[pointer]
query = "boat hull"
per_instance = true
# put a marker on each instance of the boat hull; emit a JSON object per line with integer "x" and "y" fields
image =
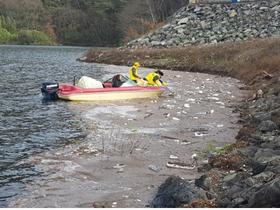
{"x": 73, "y": 93}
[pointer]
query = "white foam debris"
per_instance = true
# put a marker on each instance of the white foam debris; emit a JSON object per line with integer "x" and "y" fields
{"x": 110, "y": 110}
{"x": 114, "y": 204}
{"x": 220, "y": 126}
{"x": 201, "y": 113}
{"x": 214, "y": 98}
{"x": 175, "y": 118}
{"x": 187, "y": 105}
{"x": 190, "y": 100}
{"x": 194, "y": 156}
{"x": 173, "y": 157}
{"x": 212, "y": 111}
{"x": 221, "y": 103}
{"x": 198, "y": 134}
{"x": 185, "y": 142}
{"x": 119, "y": 166}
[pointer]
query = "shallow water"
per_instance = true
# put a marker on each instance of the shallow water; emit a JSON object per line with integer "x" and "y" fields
{"x": 27, "y": 125}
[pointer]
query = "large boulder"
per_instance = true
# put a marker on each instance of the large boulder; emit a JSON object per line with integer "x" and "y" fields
{"x": 175, "y": 192}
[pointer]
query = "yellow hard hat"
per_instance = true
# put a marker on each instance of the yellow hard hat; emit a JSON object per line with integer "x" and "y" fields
{"x": 136, "y": 64}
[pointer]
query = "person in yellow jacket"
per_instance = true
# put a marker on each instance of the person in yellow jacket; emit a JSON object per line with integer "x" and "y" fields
{"x": 133, "y": 74}
{"x": 154, "y": 78}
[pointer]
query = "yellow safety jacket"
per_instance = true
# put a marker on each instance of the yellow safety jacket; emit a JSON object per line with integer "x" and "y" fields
{"x": 133, "y": 73}
{"x": 153, "y": 79}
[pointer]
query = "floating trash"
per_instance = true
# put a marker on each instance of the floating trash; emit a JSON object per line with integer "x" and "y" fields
{"x": 173, "y": 157}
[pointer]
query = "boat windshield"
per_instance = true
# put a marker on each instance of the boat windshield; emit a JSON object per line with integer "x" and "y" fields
{"x": 129, "y": 83}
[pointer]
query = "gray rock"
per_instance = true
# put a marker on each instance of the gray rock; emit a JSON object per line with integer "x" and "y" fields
{"x": 213, "y": 23}
{"x": 265, "y": 176}
{"x": 267, "y": 155}
{"x": 267, "y": 126}
{"x": 276, "y": 117}
{"x": 203, "y": 182}
{"x": 183, "y": 21}
{"x": 262, "y": 116}
{"x": 267, "y": 196}
{"x": 174, "y": 192}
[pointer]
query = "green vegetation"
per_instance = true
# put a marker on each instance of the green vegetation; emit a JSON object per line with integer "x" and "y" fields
{"x": 81, "y": 22}
{"x": 9, "y": 34}
{"x": 33, "y": 37}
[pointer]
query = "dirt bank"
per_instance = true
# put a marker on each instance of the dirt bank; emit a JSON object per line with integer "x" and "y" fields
{"x": 247, "y": 175}
{"x": 243, "y": 61}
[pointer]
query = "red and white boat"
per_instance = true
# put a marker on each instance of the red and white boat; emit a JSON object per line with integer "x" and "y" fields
{"x": 72, "y": 92}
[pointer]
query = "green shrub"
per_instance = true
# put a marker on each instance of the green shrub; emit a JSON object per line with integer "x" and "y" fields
{"x": 5, "y": 36}
{"x": 33, "y": 37}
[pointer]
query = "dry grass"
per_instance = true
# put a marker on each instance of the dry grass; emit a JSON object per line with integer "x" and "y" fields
{"x": 240, "y": 60}
{"x": 227, "y": 161}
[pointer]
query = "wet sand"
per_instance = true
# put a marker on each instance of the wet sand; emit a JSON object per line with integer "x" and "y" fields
{"x": 124, "y": 156}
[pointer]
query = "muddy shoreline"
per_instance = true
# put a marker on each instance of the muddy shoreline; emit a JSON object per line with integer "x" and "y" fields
{"x": 129, "y": 144}
{"x": 247, "y": 174}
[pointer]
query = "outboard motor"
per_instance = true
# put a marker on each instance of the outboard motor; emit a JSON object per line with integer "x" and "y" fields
{"x": 49, "y": 90}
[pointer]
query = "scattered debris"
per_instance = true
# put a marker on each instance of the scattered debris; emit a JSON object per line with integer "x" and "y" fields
{"x": 154, "y": 168}
{"x": 187, "y": 106}
{"x": 185, "y": 142}
{"x": 119, "y": 166}
{"x": 199, "y": 134}
{"x": 173, "y": 157}
{"x": 267, "y": 75}
{"x": 179, "y": 165}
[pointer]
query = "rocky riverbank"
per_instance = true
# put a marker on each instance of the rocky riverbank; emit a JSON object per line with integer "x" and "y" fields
{"x": 247, "y": 174}
{"x": 216, "y": 23}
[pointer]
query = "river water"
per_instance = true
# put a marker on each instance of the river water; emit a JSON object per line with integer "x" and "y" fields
{"x": 27, "y": 125}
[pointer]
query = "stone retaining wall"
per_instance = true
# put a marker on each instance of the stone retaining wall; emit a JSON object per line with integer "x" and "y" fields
{"x": 215, "y": 23}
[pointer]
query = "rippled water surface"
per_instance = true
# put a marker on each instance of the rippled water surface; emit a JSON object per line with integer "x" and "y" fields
{"x": 27, "y": 125}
